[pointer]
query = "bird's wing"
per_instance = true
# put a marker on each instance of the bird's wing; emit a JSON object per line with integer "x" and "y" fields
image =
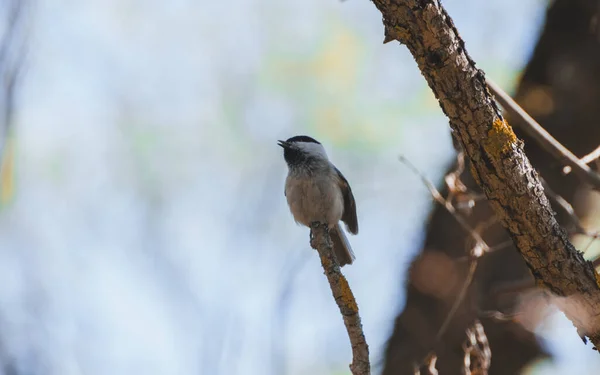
{"x": 349, "y": 215}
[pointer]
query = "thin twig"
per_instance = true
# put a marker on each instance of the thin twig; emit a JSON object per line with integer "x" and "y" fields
{"x": 568, "y": 209}
{"x": 499, "y": 316}
{"x": 591, "y": 156}
{"x": 459, "y": 298}
{"x": 562, "y": 203}
{"x": 478, "y": 355}
{"x": 542, "y": 137}
{"x": 344, "y": 298}
{"x": 587, "y": 159}
{"x": 513, "y": 288}
{"x": 429, "y": 365}
{"x": 593, "y": 238}
{"x": 501, "y": 246}
{"x": 437, "y": 196}
{"x": 458, "y": 194}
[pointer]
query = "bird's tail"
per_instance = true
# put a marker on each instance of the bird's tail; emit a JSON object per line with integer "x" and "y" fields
{"x": 341, "y": 246}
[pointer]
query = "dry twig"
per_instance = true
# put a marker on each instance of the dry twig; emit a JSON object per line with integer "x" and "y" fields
{"x": 569, "y": 211}
{"x": 478, "y": 355}
{"x": 592, "y": 156}
{"x": 499, "y": 316}
{"x": 587, "y": 159}
{"x": 344, "y": 298}
{"x": 430, "y": 365}
{"x": 437, "y": 196}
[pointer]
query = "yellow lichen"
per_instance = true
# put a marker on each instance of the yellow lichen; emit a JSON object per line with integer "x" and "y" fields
{"x": 500, "y": 138}
{"x": 597, "y": 278}
{"x": 347, "y": 296}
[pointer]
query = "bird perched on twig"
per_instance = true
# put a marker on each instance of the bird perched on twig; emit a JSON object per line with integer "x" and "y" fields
{"x": 316, "y": 191}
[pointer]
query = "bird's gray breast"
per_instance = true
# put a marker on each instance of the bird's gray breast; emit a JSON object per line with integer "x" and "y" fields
{"x": 314, "y": 197}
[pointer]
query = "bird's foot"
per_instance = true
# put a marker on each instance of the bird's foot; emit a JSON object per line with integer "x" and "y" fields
{"x": 313, "y": 225}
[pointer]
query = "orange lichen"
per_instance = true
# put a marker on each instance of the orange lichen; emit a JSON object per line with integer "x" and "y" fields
{"x": 500, "y": 138}
{"x": 347, "y": 296}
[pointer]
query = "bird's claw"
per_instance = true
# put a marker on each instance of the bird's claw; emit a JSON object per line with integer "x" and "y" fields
{"x": 313, "y": 225}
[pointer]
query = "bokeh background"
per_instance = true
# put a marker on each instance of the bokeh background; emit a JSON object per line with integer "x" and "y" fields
{"x": 143, "y": 227}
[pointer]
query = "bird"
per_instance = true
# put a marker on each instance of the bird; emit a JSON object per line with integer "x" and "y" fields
{"x": 316, "y": 191}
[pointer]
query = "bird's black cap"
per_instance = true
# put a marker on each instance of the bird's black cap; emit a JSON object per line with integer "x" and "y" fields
{"x": 303, "y": 138}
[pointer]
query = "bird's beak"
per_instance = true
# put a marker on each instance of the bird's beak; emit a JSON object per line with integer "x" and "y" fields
{"x": 283, "y": 144}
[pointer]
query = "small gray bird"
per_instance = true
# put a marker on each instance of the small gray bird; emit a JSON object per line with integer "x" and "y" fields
{"x": 317, "y": 191}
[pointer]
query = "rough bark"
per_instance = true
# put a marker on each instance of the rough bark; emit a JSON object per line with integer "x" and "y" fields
{"x": 321, "y": 241}
{"x": 508, "y": 180}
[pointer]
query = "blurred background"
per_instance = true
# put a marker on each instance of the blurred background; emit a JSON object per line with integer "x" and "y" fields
{"x": 143, "y": 227}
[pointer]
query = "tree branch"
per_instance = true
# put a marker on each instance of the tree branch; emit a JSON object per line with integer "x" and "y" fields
{"x": 592, "y": 156}
{"x": 498, "y": 162}
{"x": 344, "y": 298}
{"x": 587, "y": 159}
{"x": 478, "y": 355}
